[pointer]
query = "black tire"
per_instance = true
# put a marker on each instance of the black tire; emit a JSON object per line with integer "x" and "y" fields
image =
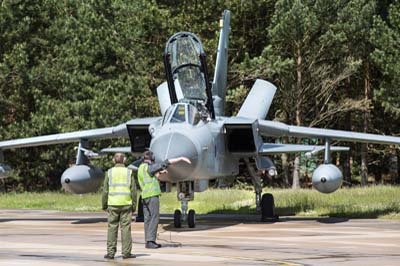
{"x": 177, "y": 219}
{"x": 267, "y": 207}
{"x": 192, "y": 219}
{"x": 140, "y": 216}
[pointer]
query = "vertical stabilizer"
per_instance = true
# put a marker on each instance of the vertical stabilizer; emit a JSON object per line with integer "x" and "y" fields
{"x": 221, "y": 65}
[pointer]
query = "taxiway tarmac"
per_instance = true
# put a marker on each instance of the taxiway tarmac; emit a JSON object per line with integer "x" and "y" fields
{"x": 41, "y": 237}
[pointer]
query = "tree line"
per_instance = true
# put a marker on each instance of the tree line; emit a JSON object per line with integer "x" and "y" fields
{"x": 74, "y": 65}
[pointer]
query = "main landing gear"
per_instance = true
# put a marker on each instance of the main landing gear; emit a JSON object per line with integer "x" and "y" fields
{"x": 185, "y": 193}
{"x": 265, "y": 204}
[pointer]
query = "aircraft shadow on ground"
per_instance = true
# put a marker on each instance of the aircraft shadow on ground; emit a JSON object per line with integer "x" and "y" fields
{"x": 229, "y": 217}
{"x": 248, "y": 215}
{"x": 222, "y": 220}
{"x": 368, "y": 214}
{"x": 245, "y": 215}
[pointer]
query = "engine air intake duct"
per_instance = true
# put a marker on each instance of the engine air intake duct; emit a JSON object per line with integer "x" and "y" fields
{"x": 240, "y": 138}
{"x": 139, "y": 136}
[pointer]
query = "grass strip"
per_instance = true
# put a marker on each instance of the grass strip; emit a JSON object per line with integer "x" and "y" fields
{"x": 368, "y": 202}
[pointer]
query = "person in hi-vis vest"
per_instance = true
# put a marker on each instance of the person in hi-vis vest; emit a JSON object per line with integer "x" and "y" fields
{"x": 147, "y": 173}
{"x": 119, "y": 200}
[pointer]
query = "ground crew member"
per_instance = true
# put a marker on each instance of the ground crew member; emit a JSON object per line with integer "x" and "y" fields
{"x": 119, "y": 199}
{"x": 147, "y": 176}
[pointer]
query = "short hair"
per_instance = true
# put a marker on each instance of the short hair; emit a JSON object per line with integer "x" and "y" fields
{"x": 148, "y": 155}
{"x": 119, "y": 158}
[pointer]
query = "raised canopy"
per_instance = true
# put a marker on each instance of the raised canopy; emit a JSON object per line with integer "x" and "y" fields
{"x": 186, "y": 70}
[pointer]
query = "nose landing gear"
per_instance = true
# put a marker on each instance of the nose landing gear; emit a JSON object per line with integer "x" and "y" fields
{"x": 185, "y": 192}
{"x": 177, "y": 219}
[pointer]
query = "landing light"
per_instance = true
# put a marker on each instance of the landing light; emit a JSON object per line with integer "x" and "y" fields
{"x": 181, "y": 196}
{"x": 272, "y": 172}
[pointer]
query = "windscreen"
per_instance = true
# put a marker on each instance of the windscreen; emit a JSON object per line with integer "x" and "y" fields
{"x": 180, "y": 113}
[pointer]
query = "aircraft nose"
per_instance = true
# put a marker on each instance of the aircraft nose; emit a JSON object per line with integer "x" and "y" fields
{"x": 175, "y": 145}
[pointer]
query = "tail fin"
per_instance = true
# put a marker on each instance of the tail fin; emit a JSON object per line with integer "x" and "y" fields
{"x": 221, "y": 65}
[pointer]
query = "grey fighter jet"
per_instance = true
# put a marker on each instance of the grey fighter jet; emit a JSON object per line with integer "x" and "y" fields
{"x": 193, "y": 124}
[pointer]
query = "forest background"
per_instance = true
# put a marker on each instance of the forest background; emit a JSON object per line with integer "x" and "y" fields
{"x": 74, "y": 65}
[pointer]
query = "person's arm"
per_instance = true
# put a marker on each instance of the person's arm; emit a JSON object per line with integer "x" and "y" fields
{"x": 179, "y": 159}
{"x": 105, "y": 193}
{"x": 159, "y": 167}
{"x": 135, "y": 165}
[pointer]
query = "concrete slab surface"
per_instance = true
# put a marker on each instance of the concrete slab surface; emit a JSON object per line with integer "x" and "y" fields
{"x": 42, "y": 237}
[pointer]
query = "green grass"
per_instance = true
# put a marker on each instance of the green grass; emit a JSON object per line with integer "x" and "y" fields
{"x": 369, "y": 202}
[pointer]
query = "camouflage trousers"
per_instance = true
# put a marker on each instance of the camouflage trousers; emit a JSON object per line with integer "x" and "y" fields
{"x": 119, "y": 215}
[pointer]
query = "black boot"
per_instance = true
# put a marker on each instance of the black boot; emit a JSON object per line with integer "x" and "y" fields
{"x": 129, "y": 256}
{"x": 109, "y": 257}
{"x": 152, "y": 245}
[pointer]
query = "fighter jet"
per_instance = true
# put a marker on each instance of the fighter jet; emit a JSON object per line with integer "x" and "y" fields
{"x": 193, "y": 124}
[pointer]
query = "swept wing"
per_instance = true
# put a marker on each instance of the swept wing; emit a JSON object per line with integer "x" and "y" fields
{"x": 100, "y": 133}
{"x": 277, "y": 129}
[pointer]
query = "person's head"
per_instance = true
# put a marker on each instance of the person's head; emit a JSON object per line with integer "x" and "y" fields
{"x": 148, "y": 156}
{"x": 119, "y": 158}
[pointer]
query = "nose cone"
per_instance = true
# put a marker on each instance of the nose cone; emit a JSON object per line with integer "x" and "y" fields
{"x": 175, "y": 145}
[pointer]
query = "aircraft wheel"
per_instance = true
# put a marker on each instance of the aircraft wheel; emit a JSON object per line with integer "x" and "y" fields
{"x": 267, "y": 207}
{"x": 177, "y": 219}
{"x": 192, "y": 219}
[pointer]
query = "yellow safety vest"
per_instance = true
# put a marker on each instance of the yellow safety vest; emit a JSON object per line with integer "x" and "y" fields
{"x": 148, "y": 184}
{"x": 119, "y": 186}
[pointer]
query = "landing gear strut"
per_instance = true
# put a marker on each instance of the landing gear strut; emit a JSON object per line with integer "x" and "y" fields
{"x": 264, "y": 204}
{"x": 185, "y": 192}
{"x": 256, "y": 179}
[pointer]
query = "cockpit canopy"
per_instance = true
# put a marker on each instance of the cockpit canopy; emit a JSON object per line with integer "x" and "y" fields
{"x": 182, "y": 113}
{"x": 186, "y": 72}
{"x": 184, "y": 52}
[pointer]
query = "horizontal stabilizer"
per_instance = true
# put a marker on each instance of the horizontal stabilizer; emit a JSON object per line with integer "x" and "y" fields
{"x": 127, "y": 149}
{"x": 258, "y": 101}
{"x": 274, "y": 148}
{"x": 5, "y": 170}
